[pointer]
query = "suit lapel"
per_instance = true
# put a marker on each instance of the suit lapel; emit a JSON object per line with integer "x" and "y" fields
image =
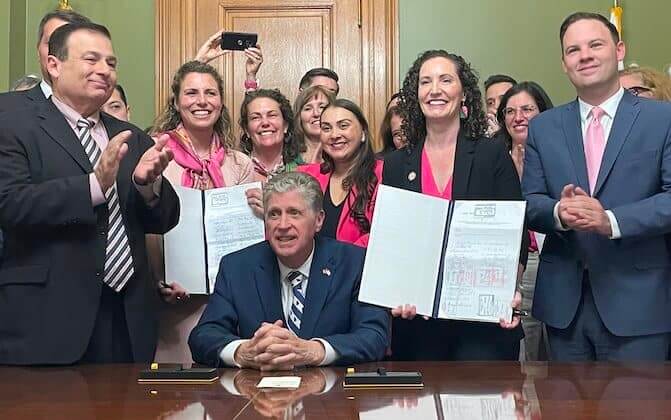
{"x": 267, "y": 278}
{"x": 463, "y": 160}
{"x": 35, "y": 93}
{"x": 55, "y": 125}
{"x": 412, "y": 170}
{"x": 322, "y": 271}
{"x": 626, "y": 114}
{"x": 574, "y": 142}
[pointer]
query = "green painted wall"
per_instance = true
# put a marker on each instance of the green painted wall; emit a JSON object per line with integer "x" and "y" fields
{"x": 521, "y": 37}
{"x": 518, "y": 37}
{"x": 4, "y": 44}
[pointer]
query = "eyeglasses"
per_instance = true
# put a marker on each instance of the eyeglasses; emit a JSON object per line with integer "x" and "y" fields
{"x": 638, "y": 90}
{"x": 526, "y": 111}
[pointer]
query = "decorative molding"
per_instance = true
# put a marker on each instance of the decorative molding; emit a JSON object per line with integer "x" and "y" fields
{"x": 177, "y": 33}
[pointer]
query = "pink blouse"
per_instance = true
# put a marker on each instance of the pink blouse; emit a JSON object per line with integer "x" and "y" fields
{"x": 429, "y": 186}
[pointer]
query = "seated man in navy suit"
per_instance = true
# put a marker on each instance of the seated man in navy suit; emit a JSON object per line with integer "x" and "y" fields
{"x": 291, "y": 300}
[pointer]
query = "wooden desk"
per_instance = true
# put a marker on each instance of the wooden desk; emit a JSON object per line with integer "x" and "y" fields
{"x": 453, "y": 390}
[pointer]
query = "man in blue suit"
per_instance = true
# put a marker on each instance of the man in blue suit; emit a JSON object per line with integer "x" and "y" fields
{"x": 291, "y": 300}
{"x": 597, "y": 178}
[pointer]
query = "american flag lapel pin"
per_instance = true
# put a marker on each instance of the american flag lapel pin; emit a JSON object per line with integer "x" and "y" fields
{"x": 326, "y": 272}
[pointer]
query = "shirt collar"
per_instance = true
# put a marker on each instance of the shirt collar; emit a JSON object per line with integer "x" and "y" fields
{"x": 609, "y": 106}
{"x": 71, "y": 115}
{"x": 304, "y": 269}
{"x": 46, "y": 89}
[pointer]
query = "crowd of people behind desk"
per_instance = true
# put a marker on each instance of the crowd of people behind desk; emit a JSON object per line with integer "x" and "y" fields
{"x": 85, "y": 198}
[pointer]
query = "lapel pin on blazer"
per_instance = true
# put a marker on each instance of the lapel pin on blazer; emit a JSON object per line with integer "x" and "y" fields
{"x": 412, "y": 175}
{"x": 326, "y": 272}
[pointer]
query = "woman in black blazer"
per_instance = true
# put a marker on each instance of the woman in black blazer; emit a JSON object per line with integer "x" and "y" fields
{"x": 447, "y": 156}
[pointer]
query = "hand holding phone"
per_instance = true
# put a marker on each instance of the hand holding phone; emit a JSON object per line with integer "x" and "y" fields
{"x": 238, "y": 41}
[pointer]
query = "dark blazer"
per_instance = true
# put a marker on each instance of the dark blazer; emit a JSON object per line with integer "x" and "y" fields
{"x": 248, "y": 293}
{"x": 18, "y": 100}
{"x": 483, "y": 170}
{"x": 10, "y": 101}
{"x": 630, "y": 277}
{"x": 51, "y": 277}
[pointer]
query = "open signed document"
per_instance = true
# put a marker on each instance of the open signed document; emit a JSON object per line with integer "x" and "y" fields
{"x": 453, "y": 260}
{"x": 212, "y": 223}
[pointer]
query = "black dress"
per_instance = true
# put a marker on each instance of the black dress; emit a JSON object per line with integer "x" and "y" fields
{"x": 483, "y": 170}
{"x": 332, "y": 214}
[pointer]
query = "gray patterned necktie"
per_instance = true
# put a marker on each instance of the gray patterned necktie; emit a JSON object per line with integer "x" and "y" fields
{"x": 118, "y": 258}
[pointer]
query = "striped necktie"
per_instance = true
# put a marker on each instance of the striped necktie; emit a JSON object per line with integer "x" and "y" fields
{"x": 118, "y": 257}
{"x": 295, "y": 279}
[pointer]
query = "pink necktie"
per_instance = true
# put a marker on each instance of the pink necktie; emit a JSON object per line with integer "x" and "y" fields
{"x": 595, "y": 143}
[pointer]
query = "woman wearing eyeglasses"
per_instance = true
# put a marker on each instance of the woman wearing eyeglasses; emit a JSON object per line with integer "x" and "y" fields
{"x": 518, "y": 106}
{"x": 646, "y": 83}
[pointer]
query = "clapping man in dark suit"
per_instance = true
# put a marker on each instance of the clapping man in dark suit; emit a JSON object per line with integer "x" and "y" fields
{"x": 49, "y": 23}
{"x": 291, "y": 300}
{"x": 597, "y": 179}
{"x": 78, "y": 191}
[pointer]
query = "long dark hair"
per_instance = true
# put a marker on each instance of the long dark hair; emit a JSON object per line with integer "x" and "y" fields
{"x": 534, "y": 90}
{"x": 386, "y": 135}
{"x": 414, "y": 124}
{"x": 290, "y": 148}
{"x": 362, "y": 172}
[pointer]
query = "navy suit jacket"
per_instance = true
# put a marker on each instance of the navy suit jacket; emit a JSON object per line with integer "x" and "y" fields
{"x": 247, "y": 293}
{"x": 630, "y": 277}
{"x": 10, "y": 101}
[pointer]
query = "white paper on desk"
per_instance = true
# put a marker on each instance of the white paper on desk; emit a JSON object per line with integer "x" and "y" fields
{"x": 404, "y": 249}
{"x": 183, "y": 245}
{"x": 478, "y": 406}
{"x": 422, "y": 407}
{"x": 230, "y": 224}
{"x": 286, "y": 382}
{"x": 481, "y": 260}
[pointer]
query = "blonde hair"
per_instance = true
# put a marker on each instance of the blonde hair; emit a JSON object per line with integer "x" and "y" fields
{"x": 658, "y": 82}
{"x": 302, "y": 99}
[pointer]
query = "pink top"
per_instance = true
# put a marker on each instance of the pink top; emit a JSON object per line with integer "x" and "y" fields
{"x": 348, "y": 230}
{"x": 429, "y": 186}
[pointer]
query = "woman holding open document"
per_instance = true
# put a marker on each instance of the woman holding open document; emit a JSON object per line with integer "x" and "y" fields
{"x": 199, "y": 127}
{"x": 447, "y": 156}
{"x": 349, "y": 175}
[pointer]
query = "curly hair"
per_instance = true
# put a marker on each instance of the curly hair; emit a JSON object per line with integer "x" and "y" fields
{"x": 414, "y": 125}
{"x": 290, "y": 148}
{"x": 362, "y": 173}
{"x": 658, "y": 82}
{"x": 170, "y": 118}
{"x": 303, "y": 98}
{"x": 533, "y": 89}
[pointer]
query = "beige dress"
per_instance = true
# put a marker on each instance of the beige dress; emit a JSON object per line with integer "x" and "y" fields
{"x": 177, "y": 320}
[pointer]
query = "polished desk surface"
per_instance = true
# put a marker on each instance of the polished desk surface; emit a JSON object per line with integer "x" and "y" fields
{"x": 494, "y": 390}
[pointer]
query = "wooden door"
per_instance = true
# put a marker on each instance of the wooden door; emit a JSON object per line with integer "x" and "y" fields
{"x": 356, "y": 38}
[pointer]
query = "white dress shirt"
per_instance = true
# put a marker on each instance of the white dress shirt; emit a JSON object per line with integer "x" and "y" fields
{"x": 609, "y": 106}
{"x": 150, "y": 193}
{"x": 46, "y": 89}
{"x": 330, "y": 355}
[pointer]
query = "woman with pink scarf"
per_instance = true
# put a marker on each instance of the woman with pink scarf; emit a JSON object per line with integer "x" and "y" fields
{"x": 199, "y": 129}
